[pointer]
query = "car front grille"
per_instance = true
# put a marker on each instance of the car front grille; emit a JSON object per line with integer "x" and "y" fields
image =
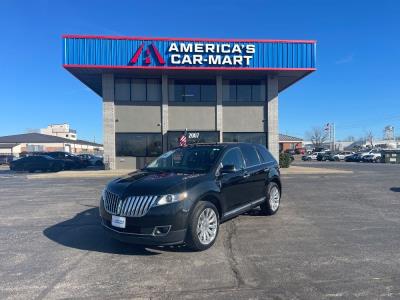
{"x": 135, "y": 206}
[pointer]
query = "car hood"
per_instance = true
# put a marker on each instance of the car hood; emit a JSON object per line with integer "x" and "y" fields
{"x": 144, "y": 182}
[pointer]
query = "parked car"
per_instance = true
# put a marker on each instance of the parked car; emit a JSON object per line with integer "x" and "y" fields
{"x": 6, "y": 159}
{"x": 356, "y": 157}
{"x": 373, "y": 151}
{"x": 37, "y": 163}
{"x": 92, "y": 160}
{"x": 184, "y": 195}
{"x": 312, "y": 156}
{"x": 301, "y": 151}
{"x": 325, "y": 156}
{"x": 71, "y": 161}
{"x": 342, "y": 155}
{"x": 290, "y": 151}
{"x": 375, "y": 157}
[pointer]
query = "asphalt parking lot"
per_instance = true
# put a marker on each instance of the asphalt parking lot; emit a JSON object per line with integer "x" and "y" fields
{"x": 335, "y": 236}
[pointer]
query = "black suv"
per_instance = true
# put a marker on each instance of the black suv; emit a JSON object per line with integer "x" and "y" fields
{"x": 183, "y": 195}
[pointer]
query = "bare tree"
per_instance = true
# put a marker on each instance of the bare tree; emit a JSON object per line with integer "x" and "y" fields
{"x": 369, "y": 138}
{"x": 318, "y": 136}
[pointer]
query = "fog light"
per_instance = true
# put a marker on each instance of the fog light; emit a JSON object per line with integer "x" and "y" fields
{"x": 161, "y": 230}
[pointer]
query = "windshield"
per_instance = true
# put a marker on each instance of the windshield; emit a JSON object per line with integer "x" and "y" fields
{"x": 197, "y": 159}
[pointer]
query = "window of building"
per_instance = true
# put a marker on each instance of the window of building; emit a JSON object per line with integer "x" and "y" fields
{"x": 192, "y": 90}
{"x": 192, "y": 137}
{"x": 122, "y": 89}
{"x": 137, "y": 89}
{"x": 138, "y": 144}
{"x": 245, "y": 137}
{"x": 242, "y": 91}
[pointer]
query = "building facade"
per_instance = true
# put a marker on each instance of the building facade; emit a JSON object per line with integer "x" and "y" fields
{"x": 61, "y": 130}
{"x": 18, "y": 144}
{"x": 287, "y": 142}
{"x": 155, "y": 89}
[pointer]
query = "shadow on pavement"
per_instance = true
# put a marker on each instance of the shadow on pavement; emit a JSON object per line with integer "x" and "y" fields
{"x": 84, "y": 232}
{"x": 395, "y": 189}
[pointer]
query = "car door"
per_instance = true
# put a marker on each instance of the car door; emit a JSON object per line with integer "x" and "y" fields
{"x": 254, "y": 175}
{"x": 231, "y": 184}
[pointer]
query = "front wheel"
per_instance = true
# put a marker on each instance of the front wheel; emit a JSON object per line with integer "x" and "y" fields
{"x": 273, "y": 199}
{"x": 203, "y": 226}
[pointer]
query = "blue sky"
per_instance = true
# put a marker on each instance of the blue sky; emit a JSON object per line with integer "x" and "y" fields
{"x": 356, "y": 84}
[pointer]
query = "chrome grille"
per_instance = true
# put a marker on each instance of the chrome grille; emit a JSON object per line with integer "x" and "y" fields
{"x": 111, "y": 202}
{"x": 135, "y": 206}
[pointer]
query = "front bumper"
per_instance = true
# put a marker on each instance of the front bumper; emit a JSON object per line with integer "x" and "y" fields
{"x": 141, "y": 230}
{"x": 172, "y": 238}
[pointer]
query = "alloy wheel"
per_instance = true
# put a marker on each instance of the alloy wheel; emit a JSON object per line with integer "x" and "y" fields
{"x": 274, "y": 198}
{"x": 207, "y": 226}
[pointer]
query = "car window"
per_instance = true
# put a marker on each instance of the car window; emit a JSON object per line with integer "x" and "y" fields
{"x": 233, "y": 157}
{"x": 264, "y": 155}
{"x": 250, "y": 155}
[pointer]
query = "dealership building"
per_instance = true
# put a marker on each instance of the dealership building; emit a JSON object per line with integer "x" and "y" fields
{"x": 215, "y": 90}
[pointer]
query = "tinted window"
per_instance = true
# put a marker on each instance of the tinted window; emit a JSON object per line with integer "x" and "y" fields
{"x": 188, "y": 159}
{"x": 239, "y": 90}
{"x": 233, "y": 157}
{"x": 192, "y": 90}
{"x": 122, "y": 89}
{"x": 153, "y": 90}
{"x": 264, "y": 154}
{"x": 192, "y": 137}
{"x": 250, "y": 155}
{"x": 138, "y": 90}
{"x": 134, "y": 89}
{"x": 139, "y": 145}
{"x": 245, "y": 137}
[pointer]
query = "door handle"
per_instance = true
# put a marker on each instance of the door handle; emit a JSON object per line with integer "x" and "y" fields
{"x": 245, "y": 175}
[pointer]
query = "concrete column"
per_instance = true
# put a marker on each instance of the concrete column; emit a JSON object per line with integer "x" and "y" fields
{"x": 108, "y": 120}
{"x": 271, "y": 124}
{"x": 164, "y": 110}
{"x": 218, "y": 108}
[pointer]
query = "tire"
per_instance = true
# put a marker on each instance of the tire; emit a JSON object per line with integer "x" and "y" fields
{"x": 203, "y": 209}
{"x": 273, "y": 199}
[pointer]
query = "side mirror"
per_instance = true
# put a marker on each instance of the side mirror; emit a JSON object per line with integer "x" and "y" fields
{"x": 227, "y": 169}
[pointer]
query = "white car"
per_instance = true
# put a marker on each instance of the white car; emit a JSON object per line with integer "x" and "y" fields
{"x": 342, "y": 155}
{"x": 312, "y": 156}
{"x": 374, "y": 157}
{"x": 93, "y": 159}
{"x": 373, "y": 151}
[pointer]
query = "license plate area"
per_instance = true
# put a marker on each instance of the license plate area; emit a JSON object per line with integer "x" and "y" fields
{"x": 118, "y": 221}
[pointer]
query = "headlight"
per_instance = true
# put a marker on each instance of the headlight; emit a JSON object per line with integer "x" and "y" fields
{"x": 103, "y": 194}
{"x": 171, "y": 198}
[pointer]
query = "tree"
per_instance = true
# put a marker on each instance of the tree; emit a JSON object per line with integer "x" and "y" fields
{"x": 318, "y": 136}
{"x": 369, "y": 138}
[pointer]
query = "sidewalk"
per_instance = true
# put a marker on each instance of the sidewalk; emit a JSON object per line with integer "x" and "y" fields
{"x": 80, "y": 174}
{"x": 293, "y": 170}
{"x": 299, "y": 170}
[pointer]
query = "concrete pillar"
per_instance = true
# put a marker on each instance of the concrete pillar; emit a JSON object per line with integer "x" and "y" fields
{"x": 218, "y": 108}
{"x": 271, "y": 124}
{"x": 164, "y": 110}
{"x": 108, "y": 120}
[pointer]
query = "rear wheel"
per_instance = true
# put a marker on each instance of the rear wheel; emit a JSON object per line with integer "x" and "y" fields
{"x": 273, "y": 199}
{"x": 203, "y": 226}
